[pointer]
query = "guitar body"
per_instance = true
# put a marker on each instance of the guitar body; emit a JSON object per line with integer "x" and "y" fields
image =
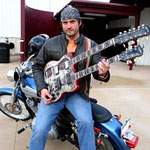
{"x": 57, "y": 75}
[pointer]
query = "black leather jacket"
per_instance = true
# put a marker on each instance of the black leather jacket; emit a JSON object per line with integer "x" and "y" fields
{"x": 54, "y": 49}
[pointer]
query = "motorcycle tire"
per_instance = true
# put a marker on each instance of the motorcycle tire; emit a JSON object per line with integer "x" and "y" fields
{"x": 105, "y": 144}
{"x": 19, "y": 111}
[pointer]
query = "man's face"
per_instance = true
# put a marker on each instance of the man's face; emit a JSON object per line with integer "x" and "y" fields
{"x": 70, "y": 27}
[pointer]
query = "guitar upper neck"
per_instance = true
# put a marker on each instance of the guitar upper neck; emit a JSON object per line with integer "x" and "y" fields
{"x": 93, "y": 68}
{"x": 92, "y": 51}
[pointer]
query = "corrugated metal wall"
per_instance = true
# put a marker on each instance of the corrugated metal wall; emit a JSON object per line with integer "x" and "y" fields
{"x": 123, "y": 23}
{"x": 10, "y": 18}
{"x": 145, "y": 19}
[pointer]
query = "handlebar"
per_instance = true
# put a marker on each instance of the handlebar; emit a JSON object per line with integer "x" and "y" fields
{"x": 26, "y": 65}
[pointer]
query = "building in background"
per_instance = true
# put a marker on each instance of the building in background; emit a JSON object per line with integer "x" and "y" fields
{"x": 10, "y": 17}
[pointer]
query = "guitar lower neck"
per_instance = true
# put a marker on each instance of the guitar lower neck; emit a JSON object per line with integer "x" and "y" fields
{"x": 84, "y": 72}
{"x": 92, "y": 69}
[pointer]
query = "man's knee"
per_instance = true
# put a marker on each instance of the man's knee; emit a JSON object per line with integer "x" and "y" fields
{"x": 85, "y": 122}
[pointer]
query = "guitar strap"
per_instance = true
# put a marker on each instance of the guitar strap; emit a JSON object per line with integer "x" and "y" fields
{"x": 87, "y": 60}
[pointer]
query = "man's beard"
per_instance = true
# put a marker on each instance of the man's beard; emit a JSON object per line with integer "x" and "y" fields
{"x": 72, "y": 34}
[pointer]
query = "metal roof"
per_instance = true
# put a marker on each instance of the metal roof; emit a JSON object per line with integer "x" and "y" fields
{"x": 111, "y": 10}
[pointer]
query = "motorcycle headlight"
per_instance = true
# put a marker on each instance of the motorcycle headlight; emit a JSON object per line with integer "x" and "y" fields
{"x": 12, "y": 75}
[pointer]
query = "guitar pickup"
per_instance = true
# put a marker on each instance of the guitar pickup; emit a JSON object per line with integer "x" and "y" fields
{"x": 58, "y": 83}
{"x": 68, "y": 79}
{"x": 55, "y": 70}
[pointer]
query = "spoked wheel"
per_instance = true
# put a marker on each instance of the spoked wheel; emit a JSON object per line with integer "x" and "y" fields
{"x": 16, "y": 111}
{"x": 105, "y": 144}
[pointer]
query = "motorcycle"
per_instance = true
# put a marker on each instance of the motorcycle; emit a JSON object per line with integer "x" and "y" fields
{"x": 21, "y": 103}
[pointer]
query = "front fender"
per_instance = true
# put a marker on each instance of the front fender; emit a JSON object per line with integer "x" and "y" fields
{"x": 112, "y": 128}
{"x": 10, "y": 91}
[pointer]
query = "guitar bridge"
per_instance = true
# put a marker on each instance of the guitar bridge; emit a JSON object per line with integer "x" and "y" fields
{"x": 57, "y": 84}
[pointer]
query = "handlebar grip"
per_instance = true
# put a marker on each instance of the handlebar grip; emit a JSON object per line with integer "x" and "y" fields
{"x": 21, "y": 130}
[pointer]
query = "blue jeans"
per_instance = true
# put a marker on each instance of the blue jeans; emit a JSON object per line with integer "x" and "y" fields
{"x": 46, "y": 115}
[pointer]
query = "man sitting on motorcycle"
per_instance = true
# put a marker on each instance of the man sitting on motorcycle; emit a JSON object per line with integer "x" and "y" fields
{"x": 78, "y": 102}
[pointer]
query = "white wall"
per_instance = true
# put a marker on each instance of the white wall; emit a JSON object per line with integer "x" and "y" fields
{"x": 10, "y": 18}
{"x": 39, "y": 4}
{"x": 10, "y": 23}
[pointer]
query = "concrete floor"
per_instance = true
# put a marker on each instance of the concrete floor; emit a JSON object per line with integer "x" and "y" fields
{"x": 127, "y": 93}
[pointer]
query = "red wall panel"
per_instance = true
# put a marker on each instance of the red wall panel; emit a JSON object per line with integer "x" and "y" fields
{"x": 39, "y": 22}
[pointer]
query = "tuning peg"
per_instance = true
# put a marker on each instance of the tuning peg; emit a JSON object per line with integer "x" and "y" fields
{"x": 135, "y": 47}
{"x": 125, "y": 32}
{"x": 132, "y": 42}
{"x": 139, "y": 27}
{"x": 143, "y": 25}
{"x": 124, "y": 45}
{"x": 133, "y": 29}
{"x": 120, "y": 33}
{"x": 129, "y": 30}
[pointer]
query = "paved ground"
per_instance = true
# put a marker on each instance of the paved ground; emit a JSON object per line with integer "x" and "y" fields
{"x": 127, "y": 93}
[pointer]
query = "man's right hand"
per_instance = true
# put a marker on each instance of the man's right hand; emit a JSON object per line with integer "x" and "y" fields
{"x": 46, "y": 97}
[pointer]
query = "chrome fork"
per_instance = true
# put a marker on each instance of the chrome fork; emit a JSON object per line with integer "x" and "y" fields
{"x": 14, "y": 97}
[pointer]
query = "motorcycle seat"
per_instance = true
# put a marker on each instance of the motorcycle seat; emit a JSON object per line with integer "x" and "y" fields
{"x": 100, "y": 114}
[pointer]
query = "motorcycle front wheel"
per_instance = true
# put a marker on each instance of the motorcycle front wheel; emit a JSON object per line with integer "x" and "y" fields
{"x": 17, "y": 111}
{"x": 105, "y": 144}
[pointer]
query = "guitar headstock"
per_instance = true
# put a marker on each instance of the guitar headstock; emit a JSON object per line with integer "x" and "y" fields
{"x": 131, "y": 53}
{"x": 141, "y": 31}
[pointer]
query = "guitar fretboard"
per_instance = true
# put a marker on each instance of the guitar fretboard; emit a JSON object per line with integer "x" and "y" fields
{"x": 93, "y": 68}
{"x": 125, "y": 55}
{"x": 92, "y": 51}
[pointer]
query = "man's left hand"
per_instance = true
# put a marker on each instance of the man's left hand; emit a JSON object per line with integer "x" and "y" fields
{"x": 103, "y": 67}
